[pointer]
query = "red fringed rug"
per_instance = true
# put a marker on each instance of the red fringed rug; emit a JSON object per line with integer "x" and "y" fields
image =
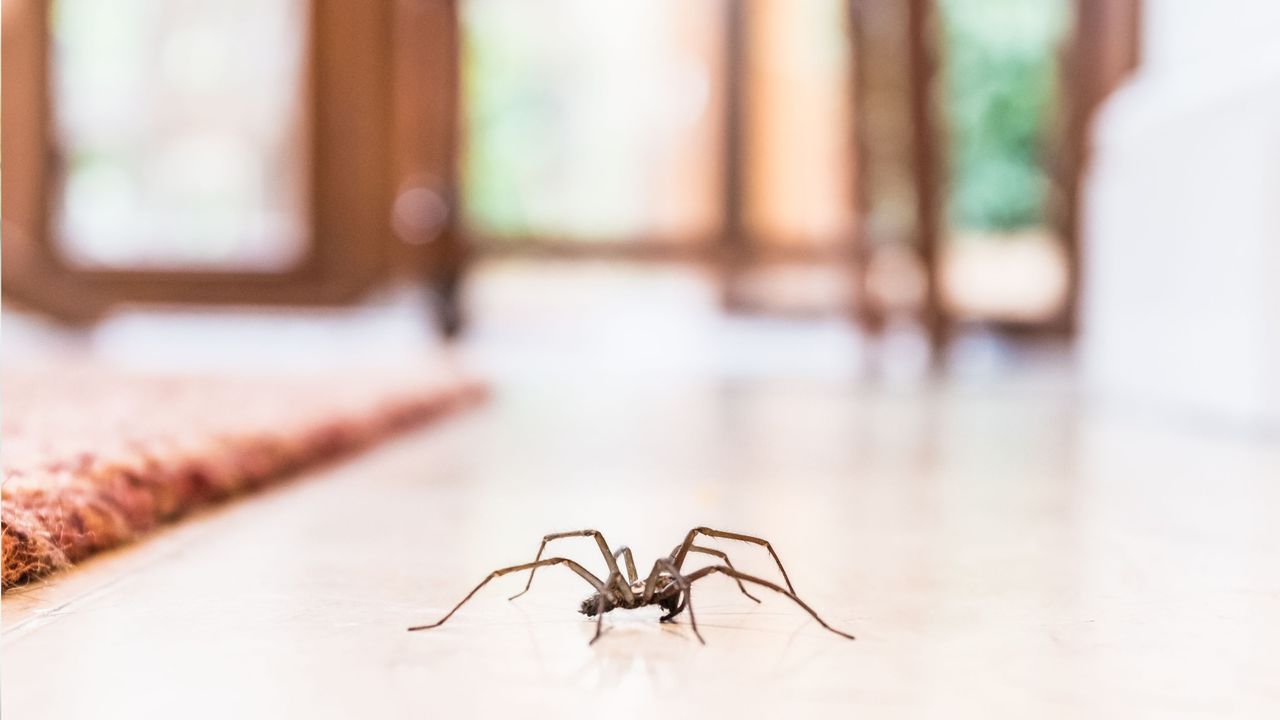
{"x": 92, "y": 459}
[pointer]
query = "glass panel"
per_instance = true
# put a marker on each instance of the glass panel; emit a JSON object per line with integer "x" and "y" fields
{"x": 592, "y": 119}
{"x": 180, "y": 131}
{"x": 1005, "y": 260}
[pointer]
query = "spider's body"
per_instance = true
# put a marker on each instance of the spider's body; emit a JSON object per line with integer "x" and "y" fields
{"x": 666, "y": 586}
{"x": 666, "y": 596}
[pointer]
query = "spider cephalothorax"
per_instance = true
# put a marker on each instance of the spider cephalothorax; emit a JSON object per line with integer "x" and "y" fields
{"x": 666, "y": 595}
{"x": 666, "y": 586}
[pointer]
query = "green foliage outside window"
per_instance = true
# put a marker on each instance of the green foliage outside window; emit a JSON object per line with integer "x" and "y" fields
{"x": 1000, "y": 88}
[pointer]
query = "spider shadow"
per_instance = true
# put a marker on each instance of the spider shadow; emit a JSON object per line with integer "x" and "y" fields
{"x": 633, "y": 645}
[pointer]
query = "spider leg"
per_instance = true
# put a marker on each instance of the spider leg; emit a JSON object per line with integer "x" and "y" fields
{"x": 688, "y": 544}
{"x": 625, "y": 553}
{"x": 583, "y": 572}
{"x": 600, "y": 610}
{"x": 609, "y": 560}
{"x": 651, "y": 585}
{"x": 724, "y": 558}
{"x": 687, "y": 600}
{"x": 760, "y": 581}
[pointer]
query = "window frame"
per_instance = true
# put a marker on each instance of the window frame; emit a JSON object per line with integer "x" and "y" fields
{"x": 348, "y": 63}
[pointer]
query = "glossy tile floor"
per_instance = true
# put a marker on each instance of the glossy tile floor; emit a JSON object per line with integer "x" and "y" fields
{"x": 1001, "y": 547}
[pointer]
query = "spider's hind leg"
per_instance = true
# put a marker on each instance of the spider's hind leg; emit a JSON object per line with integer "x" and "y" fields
{"x": 726, "y": 570}
{"x": 687, "y": 546}
{"x": 723, "y": 558}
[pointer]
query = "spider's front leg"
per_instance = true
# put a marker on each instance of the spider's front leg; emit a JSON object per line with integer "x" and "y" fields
{"x": 685, "y": 589}
{"x": 581, "y": 571}
{"x": 723, "y": 558}
{"x": 624, "y": 552}
{"x": 600, "y": 605}
{"x": 651, "y": 584}
{"x": 609, "y": 560}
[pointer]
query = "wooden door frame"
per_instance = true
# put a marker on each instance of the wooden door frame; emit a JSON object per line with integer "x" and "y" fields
{"x": 914, "y": 41}
{"x": 428, "y": 140}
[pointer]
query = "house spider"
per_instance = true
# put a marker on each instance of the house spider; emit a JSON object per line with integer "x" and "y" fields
{"x": 667, "y": 587}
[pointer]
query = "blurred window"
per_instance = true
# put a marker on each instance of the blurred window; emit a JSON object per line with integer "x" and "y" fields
{"x": 607, "y": 122}
{"x": 197, "y": 151}
{"x": 592, "y": 119}
{"x": 1002, "y": 110}
{"x": 180, "y": 130}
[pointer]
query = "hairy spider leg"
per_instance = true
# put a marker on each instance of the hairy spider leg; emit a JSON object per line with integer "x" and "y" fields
{"x": 686, "y": 600}
{"x": 583, "y": 572}
{"x": 651, "y": 586}
{"x": 625, "y": 553}
{"x": 723, "y": 557}
{"x": 600, "y": 609}
{"x": 695, "y": 576}
{"x": 609, "y": 560}
{"x": 688, "y": 543}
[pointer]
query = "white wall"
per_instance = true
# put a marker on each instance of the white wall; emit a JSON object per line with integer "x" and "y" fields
{"x": 1187, "y": 35}
{"x": 1181, "y": 304}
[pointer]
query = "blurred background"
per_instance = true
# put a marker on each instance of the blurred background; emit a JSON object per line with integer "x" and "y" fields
{"x": 837, "y": 187}
{"x": 973, "y": 306}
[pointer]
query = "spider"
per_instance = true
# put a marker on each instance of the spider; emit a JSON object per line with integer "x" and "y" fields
{"x": 667, "y": 587}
